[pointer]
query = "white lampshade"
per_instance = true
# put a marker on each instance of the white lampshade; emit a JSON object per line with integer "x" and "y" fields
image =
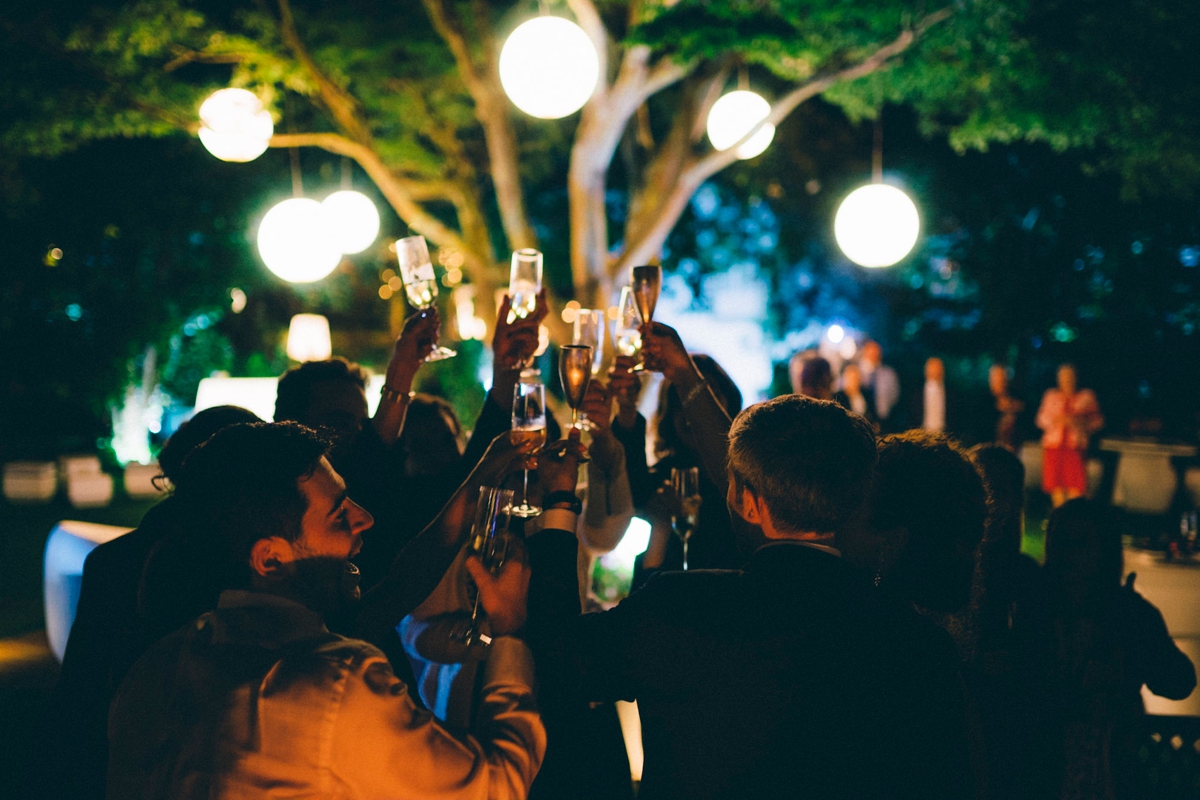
{"x": 234, "y": 126}
{"x": 735, "y": 115}
{"x": 876, "y": 225}
{"x": 294, "y": 241}
{"x": 353, "y": 220}
{"x": 549, "y": 67}
{"x": 308, "y": 338}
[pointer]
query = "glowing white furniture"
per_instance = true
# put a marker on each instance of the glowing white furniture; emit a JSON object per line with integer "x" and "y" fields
{"x": 30, "y": 481}
{"x": 62, "y": 573}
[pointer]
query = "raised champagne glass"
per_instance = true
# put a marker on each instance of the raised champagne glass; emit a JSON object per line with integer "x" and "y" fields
{"x": 489, "y": 541}
{"x": 524, "y": 283}
{"x": 685, "y": 483}
{"x": 528, "y": 423}
{"x": 591, "y": 328}
{"x": 627, "y": 339}
{"x": 420, "y": 284}
{"x": 645, "y": 286}
{"x": 575, "y": 372}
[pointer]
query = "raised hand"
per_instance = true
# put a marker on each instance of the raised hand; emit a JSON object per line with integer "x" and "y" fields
{"x": 558, "y": 463}
{"x": 597, "y": 405}
{"x": 417, "y": 340}
{"x": 625, "y": 386}
{"x": 503, "y": 595}
{"x": 516, "y": 340}
{"x": 663, "y": 351}
{"x": 506, "y": 454}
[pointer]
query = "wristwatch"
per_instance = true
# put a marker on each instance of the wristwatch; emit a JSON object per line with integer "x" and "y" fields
{"x": 554, "y": 498}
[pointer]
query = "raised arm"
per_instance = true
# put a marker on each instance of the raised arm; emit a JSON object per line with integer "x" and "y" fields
{"x": 419, "y": 567}
{"x": 664, "y": 352}
{"x": 416, "y": 341}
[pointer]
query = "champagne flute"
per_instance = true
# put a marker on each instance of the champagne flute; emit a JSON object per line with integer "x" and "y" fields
{"x": 524, "y": 283}
{"x": 645, "y": 286}
{"x": 420, "y": 284}
{"x": 489, "y": 541}
{"x": 591, "y": 328}
{"x": 685, "y": 482}
{"x": 528, "y": 423}
{"x": 575, "y": 372}
{"x": 627, "y": 339}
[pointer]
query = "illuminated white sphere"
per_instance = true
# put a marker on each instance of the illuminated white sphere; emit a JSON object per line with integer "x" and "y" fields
{"x": 835, "y": 333}
{"x": 294, "y": 241}
{"x": 234, "y": 126}
{"x": 735, "y": 115}
{"x": 876, "y": 225}
{"x": 548, "y": 67}
{"x": 353, "y": 220}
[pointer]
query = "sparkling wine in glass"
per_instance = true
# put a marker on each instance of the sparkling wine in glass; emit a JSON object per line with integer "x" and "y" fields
{"x": 591, "y": 328}
{"x": 489, "y": 541}
{"x": 420, "y": 284}
{"x": 627, "y": 335}
{"x": 524, "y": 283}
{"x": 575, "y": 372}
{"x": 528, "y": 424}
{"x": 646, "y": 284}
{"x": 685, "y": 482}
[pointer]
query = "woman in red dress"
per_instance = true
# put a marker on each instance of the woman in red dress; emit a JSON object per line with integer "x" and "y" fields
{"x": 1067, "y": 416}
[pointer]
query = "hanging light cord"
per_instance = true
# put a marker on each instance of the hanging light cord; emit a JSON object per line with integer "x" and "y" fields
{"x": 297, "y": 183}
{"x": 346, "y": 171}
{"x": 877, "y": 150}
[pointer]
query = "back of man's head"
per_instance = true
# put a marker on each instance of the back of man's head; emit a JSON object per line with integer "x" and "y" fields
{"x": 928, "y": 485}
{"x": 810, "y": 461}
{"x": 195, "y": 432}
{"x": 294, "y": 395}
{"x": 242, "y": 485}
{"x": 1004, "y": 475}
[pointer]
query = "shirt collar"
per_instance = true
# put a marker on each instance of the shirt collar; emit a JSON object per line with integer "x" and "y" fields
{"x": 824, "y": 548}
{"x": 263, "y": 618}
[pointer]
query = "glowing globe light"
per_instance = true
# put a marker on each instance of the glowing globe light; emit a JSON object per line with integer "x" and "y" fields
{"x": 548, "y": 67}
{"x": 294, "y": 241}
{"x": 353, "y": 220}
{"x": 735, "y": 115}
{"x": 836, "y": 333}
{"x": 308, "y": 338}
{"x": 876, "y": 225}
{"x": 234, "y": 126}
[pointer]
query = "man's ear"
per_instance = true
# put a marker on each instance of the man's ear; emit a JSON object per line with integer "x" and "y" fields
{"x": 269, "y": 556}
{"x": 750, "y": 507}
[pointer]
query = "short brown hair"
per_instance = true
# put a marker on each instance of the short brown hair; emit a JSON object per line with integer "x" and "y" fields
{"x": 809, "y": 460}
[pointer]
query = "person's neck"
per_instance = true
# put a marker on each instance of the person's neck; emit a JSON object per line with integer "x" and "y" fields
{"x": 806, "y": 537}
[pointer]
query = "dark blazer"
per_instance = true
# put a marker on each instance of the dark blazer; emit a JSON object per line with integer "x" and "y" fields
{"x": 106, "y": 638}
{"x": 792, "y": 677}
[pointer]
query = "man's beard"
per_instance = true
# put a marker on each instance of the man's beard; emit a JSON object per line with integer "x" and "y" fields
{"x": 324, "y": 584}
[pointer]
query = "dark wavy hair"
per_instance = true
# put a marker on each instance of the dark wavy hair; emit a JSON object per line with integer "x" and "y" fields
{"x": 194, "y": 433}
{"x": 294, "y": 393}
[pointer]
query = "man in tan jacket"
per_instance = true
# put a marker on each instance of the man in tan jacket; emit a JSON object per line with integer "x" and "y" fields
{"x": 257, "y": 698}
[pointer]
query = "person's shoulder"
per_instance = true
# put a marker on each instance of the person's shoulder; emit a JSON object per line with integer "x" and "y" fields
{"x": 672, "y": 586}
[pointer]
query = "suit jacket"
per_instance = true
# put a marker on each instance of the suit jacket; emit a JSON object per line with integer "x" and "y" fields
{"x": 791, "y": 677}
{"x": 107, "y": 637}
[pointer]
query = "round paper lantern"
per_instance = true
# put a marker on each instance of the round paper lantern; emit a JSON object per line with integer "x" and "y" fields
{"x": 353, "y": 220}
{"x": 876, "y": 225}
{"x": 234, "y": 126}
{"x": 548, "y": 67}
{"x": 735, "y": 115}
{"x": 294, "y": 241}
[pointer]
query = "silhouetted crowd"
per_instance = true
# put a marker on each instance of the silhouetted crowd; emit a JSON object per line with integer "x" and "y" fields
{"x": 856, "y": 619}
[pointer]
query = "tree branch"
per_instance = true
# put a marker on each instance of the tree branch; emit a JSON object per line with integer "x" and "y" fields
{"x": 491, "y": 109}
{"x": 195, "y": 57}
{"x": 402, "y": 194}
{"x": 700, "y": 170}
